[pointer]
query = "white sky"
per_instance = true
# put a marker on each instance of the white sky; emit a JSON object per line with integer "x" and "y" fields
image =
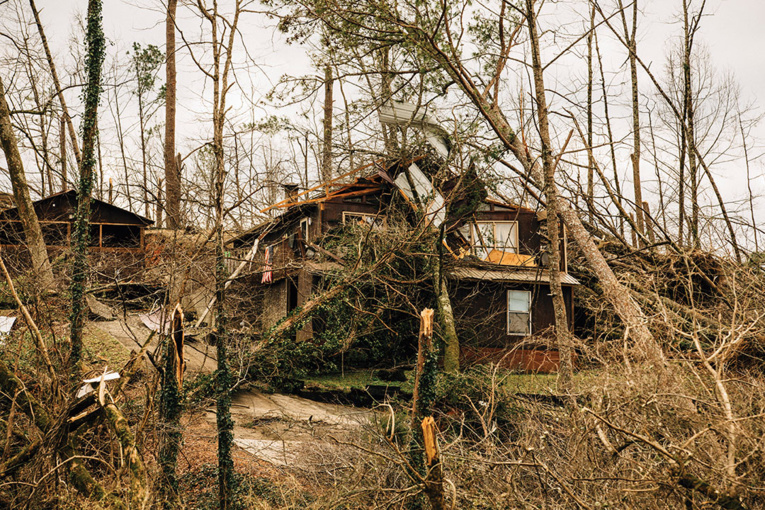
{"x": 731, "y": 32}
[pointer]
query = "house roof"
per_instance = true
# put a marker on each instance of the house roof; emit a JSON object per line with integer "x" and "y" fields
{"x": 507, "y": 275}
{"x": 61, "y": 206}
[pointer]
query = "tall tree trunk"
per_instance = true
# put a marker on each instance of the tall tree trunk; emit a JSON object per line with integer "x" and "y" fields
{"x": 144, "y": 162}
{"x": 681, "y": 215}
{"x": 326, "y": 159}
{"x": 562, "y": 334}
{"x": 749, "y": 183}
{"x": 631, "y": 36}
{"x": 32, "y": 231}
{"x": 590, "y": 162}
{"x": 172, "y": 170}
{"x": 81, "y": 235}
{"x": 57, "y": 84}
{"x": 690, "y": 130}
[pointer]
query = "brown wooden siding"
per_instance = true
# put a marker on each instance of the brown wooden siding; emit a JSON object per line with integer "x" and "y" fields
{"x": 480, "y": 310}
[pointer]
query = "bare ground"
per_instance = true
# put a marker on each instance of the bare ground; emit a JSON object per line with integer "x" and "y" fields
{"x": 272, "y": 428}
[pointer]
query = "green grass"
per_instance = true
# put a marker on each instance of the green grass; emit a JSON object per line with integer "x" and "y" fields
{"x": 101, "y": 349}
{"x": 513, "y": 382}
{"x": 540, "y": 383}
{"x": 357, "y": 379}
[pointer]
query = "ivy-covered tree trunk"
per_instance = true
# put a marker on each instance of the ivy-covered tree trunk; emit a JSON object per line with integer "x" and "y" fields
{"x": 423, "y": 398}
{"x": 170, "y": 410}
{"x": 95, "y": 44}
{"x": 32, "y": 231}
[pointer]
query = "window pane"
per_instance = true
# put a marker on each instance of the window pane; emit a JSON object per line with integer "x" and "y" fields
{"x": 518, "y": 323}
{"x": 505, "y": 233}
{"x": 518, "y": 301}
{"x": 489, "y": 235}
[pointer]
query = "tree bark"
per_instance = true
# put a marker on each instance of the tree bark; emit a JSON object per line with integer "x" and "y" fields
{"x": 562, "y": 334}
{"x": 326, "y": 160}
{"x": 172, "y": 169}
{"x": 81, "y": 233}
{"x": 32, "y": 230}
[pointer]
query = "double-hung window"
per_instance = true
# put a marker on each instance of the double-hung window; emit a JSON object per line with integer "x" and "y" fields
{"x": 518, "y": 312}
{"x": 494, "y": 235}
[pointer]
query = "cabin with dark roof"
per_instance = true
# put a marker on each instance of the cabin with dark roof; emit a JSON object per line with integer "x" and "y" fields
{"x": 116, "y": 235}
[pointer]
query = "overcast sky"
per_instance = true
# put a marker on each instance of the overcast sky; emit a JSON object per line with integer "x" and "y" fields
{"x": 731, "y": 32}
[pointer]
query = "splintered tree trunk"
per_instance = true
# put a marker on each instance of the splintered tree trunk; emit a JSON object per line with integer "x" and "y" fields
{"x": 326, "y": 161}
{"x": 32, "y": 231}
{"x": 172, "y": 169}
{"x": 446, "y": 317}
{"x": 81, "y": 235}
{"x": 170, "y": 409}
{"x": 562, "y": 334}
{"x": 423, "y": 399}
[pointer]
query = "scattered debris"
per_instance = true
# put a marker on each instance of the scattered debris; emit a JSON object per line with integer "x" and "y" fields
{"x": 99, "y": 310}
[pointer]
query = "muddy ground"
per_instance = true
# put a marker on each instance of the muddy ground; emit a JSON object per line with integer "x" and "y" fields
{"x": 273, "y": 428}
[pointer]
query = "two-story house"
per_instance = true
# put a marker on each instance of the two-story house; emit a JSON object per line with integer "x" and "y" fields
{"x": 495, "y": 258}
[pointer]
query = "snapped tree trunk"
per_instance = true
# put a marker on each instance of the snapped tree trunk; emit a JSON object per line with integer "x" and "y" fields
{"x": 170, "y": 409}
{"x": 29, "y": 222}
{"x": 423, "y": 399}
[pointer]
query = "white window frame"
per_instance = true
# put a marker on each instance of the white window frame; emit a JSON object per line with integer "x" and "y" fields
{"x": 475, "y": 238}
{"x": 527, "y": 311}
{"x": 377, "y": 220}
{"x": 305, "y": 230}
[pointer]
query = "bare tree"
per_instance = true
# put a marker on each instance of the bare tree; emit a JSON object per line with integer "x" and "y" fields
{"x": 32, "y": 231}
{"x": 172, "y": 172}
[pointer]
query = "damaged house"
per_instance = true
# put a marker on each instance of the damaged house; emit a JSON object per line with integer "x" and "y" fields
{"x": 493, "y": 256}
{"x": 116, "y": 235}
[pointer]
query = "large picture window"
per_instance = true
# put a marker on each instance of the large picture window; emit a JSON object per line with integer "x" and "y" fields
{"x": 494, "y": 235}
{"x": 518, "y": 312}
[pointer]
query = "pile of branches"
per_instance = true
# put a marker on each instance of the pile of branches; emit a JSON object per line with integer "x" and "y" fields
{"x": 686, "y": 296}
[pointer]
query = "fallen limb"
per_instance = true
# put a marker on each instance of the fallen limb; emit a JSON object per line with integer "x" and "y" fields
{"x": 139, "y": 491}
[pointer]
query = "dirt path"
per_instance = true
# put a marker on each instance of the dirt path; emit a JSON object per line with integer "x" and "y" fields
{"x": 280, "y": 428}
